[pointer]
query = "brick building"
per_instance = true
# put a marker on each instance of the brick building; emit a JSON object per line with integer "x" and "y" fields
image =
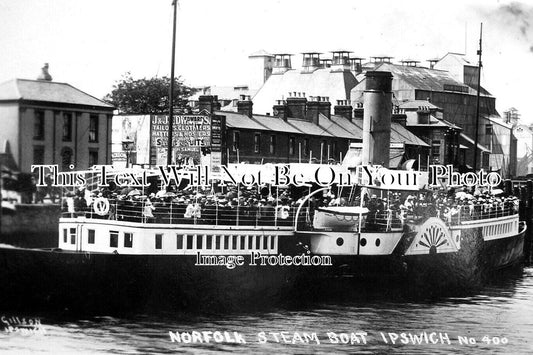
{"x": 453, "y": 91}
{"x": 303, "y": 130}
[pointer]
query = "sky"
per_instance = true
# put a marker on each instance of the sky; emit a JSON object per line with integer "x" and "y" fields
{"x": 91, "y": 44}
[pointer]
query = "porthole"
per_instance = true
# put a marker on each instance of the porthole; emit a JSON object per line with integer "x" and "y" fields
{"x": 363, "y": 242}
{"x": 378, "y": 242}
{"x": 340, "y": 241}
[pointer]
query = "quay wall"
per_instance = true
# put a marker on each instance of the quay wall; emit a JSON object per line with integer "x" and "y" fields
{"x": 32, "y": 226}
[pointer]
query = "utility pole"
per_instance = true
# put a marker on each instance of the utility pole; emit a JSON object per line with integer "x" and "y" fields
{"x": 478, "y": 96}
{"x": 171, "y": 91}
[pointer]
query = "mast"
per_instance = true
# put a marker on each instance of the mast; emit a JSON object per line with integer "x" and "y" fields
{"x": 171, "y": 91}
{"x": 478, "y": 97}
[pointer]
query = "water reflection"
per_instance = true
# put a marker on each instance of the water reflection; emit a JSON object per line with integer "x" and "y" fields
{"x": 502, "y": 309}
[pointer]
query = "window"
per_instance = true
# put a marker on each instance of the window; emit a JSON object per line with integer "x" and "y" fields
{"x": 72, "y": 235}
{"x": 128, "y": 240}
{"x": 113, "y": 239}
{"x": 38, "y": 154}
{"x": 189, "y": 242}
{"x": 257, "y": 143}
{"x": 292, "y": 145}
{"x": 66, "y": 158}
{"x": 38, "y": 125}
{"x": 226, "y": 242}
{"x": 199, "y": 241}
{"x": 93, "y": 157}
{"x": 236, "y": 140}
{"x": 91, "y": 236}
{"x": 217, "y": 241}
{"x": 209, "y": 242}
{"x": 435, "y": 149}
{"x": 272, "y": 149}
{"x": 250, "y": 242}
{"x": 324, "y": 151}
{"x": 488, "y": 129}
{"x": 179, "y": 241}
{"x": 65, "y": 235}
{"x": 306, "y": 147}
{"x": 93, "y": 128}
{"x": 159, "y": 241}
{"x": 485, "y": 159}
{"x": 67, "y": 126}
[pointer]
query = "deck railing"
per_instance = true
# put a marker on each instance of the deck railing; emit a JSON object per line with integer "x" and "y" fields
{"x": 180, "y": 213}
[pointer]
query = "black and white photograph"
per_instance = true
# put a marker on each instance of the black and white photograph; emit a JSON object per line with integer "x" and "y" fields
{"x": 268, "y": 176}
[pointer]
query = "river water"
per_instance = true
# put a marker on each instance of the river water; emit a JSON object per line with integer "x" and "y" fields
{"x": 497, "y": 319}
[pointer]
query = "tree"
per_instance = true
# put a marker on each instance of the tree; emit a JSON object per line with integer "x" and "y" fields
{"x": 147, "y": 96}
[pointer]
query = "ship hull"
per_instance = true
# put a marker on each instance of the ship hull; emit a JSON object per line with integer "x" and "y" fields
{"x": 114, "y": 282}
{"x": 471, "y": 266}
{"x": 446, "y": 268}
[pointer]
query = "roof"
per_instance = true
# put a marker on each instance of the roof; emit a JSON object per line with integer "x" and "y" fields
{"x": 498, "y": 120}
{"x": 400, "y": 134}
{"x": 238, "y": 120}
{"x": 336, "y": 130}
{"x": 348, "y": 126}
{"x": 407, "y": 79}
{"x": 321, "y": 82}
{"x": 261, "y": 53}
{"x": 276, "y": 124}
{"x": 48, "y": 91}
{"x": 422, "y": 78}
{"x": 459, "y": 57}
{"x": 336, "y": 126}
{"x": 7, "y": 161}
{"x": 307, "y": 127}
{"x": 471, "y": 141}
{"x": 223, "y": 92}
{"x": 434, "y": 122}
{"x": 415, "y": 104}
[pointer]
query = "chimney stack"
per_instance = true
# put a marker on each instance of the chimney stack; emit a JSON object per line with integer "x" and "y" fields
{"x": 313, "y": 109}
{"x": 377, "y": 118}
{"x": 358, "y": 111}
{"x": 399, "y": 116}
{"x": 280, "y": 109}
{"x": 296, "y": 105}
{"x": 423, "y": 114}
{"x": 343, "y": 109}
{"x": 208, "y": 103}
{"x": 244, "y": 106}
{"x": 324, "y": 106}
{"x": 45, "y": 75}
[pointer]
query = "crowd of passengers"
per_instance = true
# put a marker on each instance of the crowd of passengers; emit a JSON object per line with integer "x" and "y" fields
{"x": 450, "y": 205}
{"x": 265, "y": 206}
{"x": 235, "y": 205}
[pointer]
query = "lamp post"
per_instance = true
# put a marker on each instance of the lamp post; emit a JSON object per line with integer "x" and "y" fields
{"x": 127, "y": 146}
